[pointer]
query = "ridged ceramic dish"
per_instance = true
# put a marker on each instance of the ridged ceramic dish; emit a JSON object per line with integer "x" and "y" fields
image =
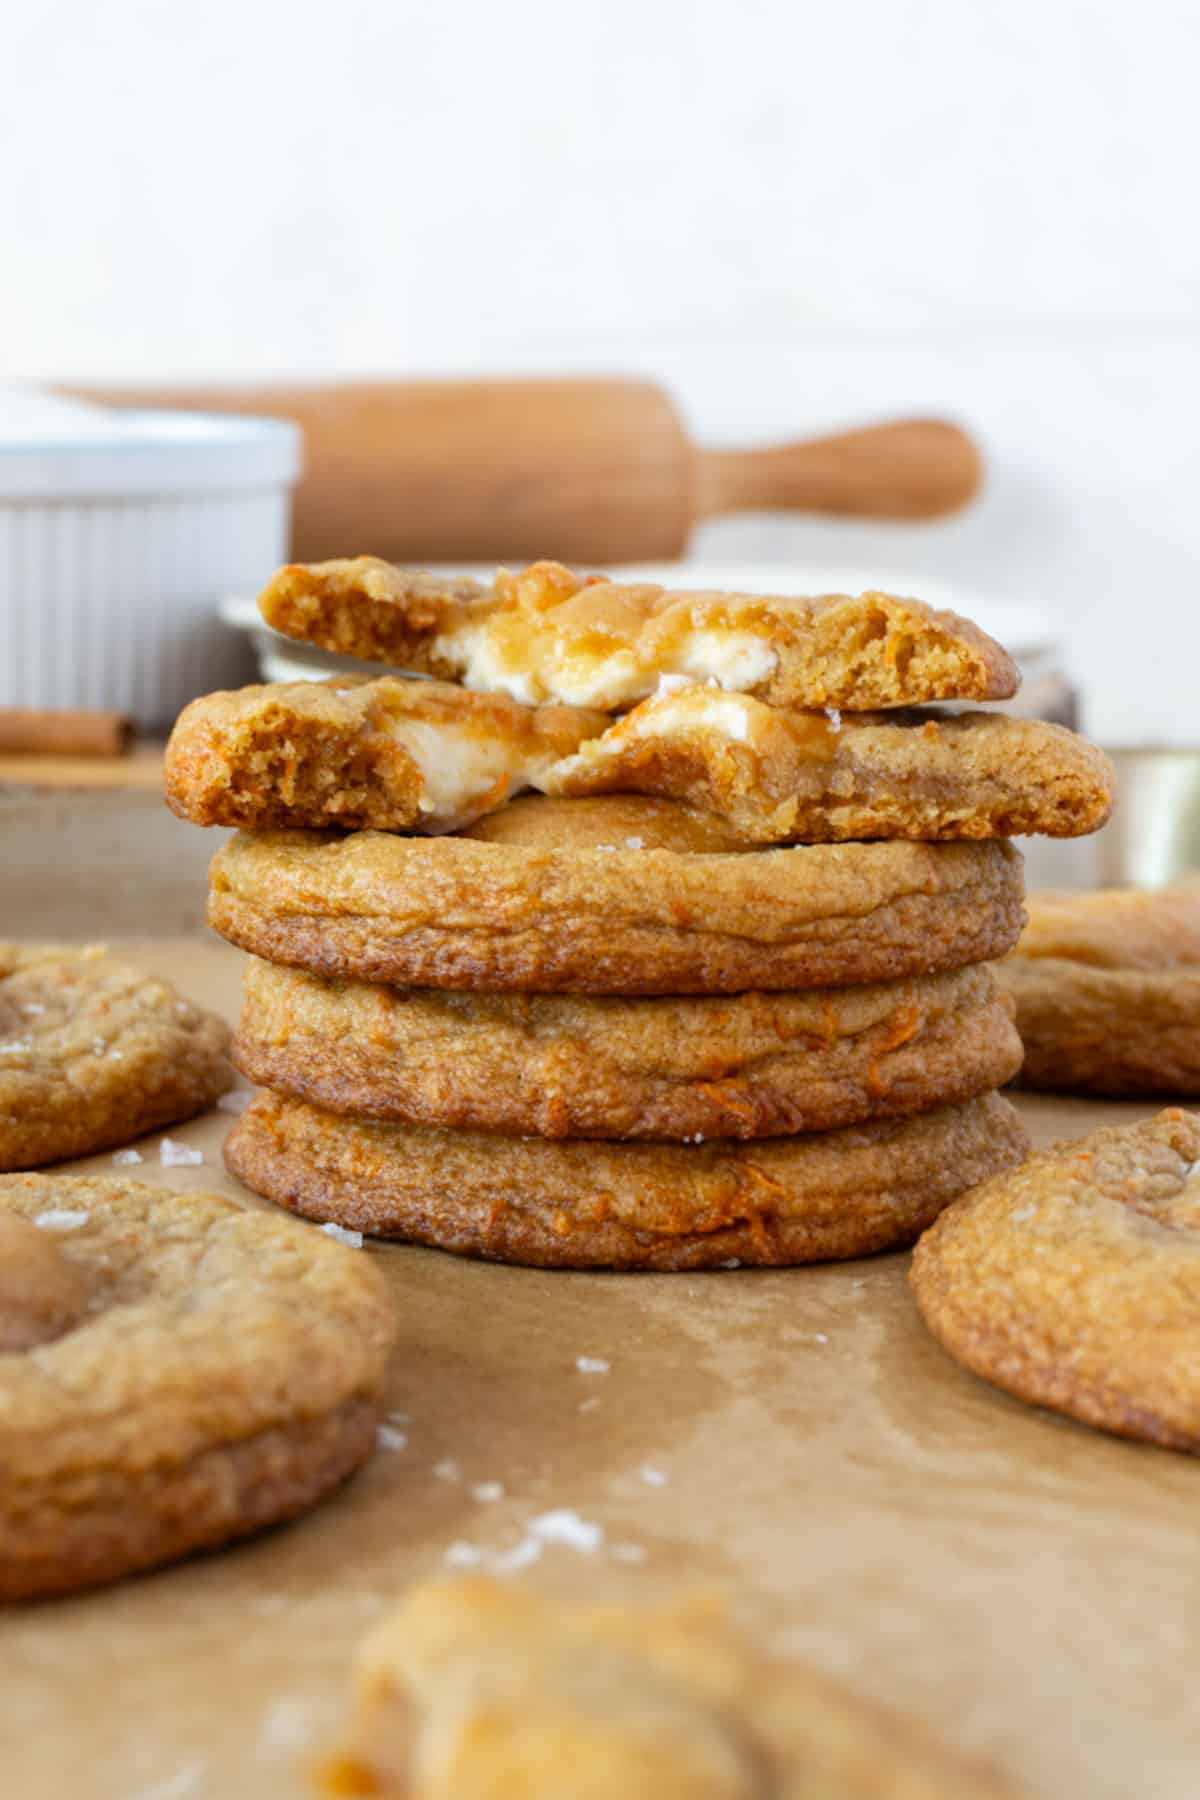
{"x": 118, "y": 534}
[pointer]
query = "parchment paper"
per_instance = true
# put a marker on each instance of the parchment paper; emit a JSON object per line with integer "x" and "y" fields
{"x": 795, "y": 1439}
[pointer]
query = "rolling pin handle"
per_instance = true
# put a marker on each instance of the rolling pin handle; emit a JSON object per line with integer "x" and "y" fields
{"x": 909, "y": 469}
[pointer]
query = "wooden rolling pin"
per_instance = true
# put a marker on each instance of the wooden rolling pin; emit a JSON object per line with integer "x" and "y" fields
{"x": 591, "y": 471}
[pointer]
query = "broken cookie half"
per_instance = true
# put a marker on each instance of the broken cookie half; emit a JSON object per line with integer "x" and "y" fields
{"x": 388, "y": 754}
{"x": 476, "y": 1688}
{"x": 425, "y": 756}
{"x": 550, "y": 634}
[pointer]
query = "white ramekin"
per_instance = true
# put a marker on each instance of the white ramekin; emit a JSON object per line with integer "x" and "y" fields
{"x": 114, "y": 550}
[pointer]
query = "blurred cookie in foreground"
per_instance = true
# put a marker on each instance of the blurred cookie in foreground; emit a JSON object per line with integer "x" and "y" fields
{"x": 1074, "y": 1281}
{"x": 178, "y": 1372}
{"x": 612, "y": 895}
{"x": 548, "y": 633}
{"x": 1107, "y": 991}
{"x": 584, "y": 1204}
{"x": 598, "y": 1066}
{"x": 781, "y": 776}
{"x": 388, "y": 754}
{"x": 93, "y": 1053}
{"x": 472, "y": 1689}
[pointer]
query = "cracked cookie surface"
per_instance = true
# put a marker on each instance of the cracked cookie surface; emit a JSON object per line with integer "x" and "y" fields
{"x": 616, "y": 895}
{"x": 93, "y": 1053}
{"x": 1073, "y": 1282}
{"x": 180, "y": 1371}
{"x": 1106, "y": 986}
{"x": 745, "y": 1065}
{"x": 579, "y": 1203}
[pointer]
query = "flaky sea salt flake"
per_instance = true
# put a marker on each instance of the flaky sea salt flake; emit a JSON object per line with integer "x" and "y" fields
{"x": 236, "y": 1101}
{"x": 592, "y": 1365}
{"x": 126, "y": 1159}
{"x": 342, "y": 1234}
{"x": 522, "y": 1555}
{"x": 564, "y": 1526}
{"x": 61, "y": 1218}
{"x": 174, "y": 1155}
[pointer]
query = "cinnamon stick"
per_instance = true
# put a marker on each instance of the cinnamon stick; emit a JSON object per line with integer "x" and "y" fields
{"x": 62, "y": 731}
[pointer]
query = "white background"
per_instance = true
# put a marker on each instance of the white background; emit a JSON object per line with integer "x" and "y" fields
{"x": 798, "y": 215}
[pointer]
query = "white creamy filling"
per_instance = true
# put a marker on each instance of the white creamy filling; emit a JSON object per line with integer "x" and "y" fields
{"x": 483, "y": 669}
{"x": 737, "y": 660}
{"x": 710, "y": 710}
{"x": 734, "y": 660}
{"x": 460, "y": 770}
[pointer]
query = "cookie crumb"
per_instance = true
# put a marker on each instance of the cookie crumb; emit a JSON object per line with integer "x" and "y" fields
{"x": 592, "y": 1365}
{"x": 174, "y": 1155}
{"x": 343, "y": 1235}
{"x": 61, "y": 1218}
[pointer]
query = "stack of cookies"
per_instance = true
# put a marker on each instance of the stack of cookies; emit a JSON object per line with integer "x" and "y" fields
{"x": 714, "y": 993}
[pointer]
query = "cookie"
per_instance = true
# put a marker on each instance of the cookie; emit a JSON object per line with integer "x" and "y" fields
{"x": 578, "y": 1204}
{"x": 475, "y": 1688}
{"x": 388, "y": 754}
{"x": 179, "y": 1372}
{"x": 550, "y": 634}
{"x": 563, "y": 1065}
{"x": 612, "y": 896}
{"x": 1107, "y": 992}
{"x": 1074, "y": 1281}
{"x": 784, "y": 776}
{"x": 94, "y": 1053}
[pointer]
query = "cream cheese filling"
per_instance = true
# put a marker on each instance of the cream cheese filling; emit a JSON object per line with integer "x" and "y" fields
{"x": 543, "y": 665}
{"x": 464, "y": 773}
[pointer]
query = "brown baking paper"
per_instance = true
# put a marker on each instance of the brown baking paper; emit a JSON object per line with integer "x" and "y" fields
{"x": 794, "y": 1438}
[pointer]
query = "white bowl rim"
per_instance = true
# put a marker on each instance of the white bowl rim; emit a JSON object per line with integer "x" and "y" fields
{"x": 155, "y": 453}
